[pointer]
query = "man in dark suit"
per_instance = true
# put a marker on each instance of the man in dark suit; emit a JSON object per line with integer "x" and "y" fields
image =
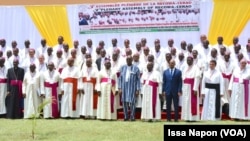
{"x": 14, "y": 99}
{"x": 100, "y": 61}
{"x": 172, "y": 89}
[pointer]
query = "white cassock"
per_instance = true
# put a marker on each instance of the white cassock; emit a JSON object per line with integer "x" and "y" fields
{"x": 190, "y": 102}
{"x": 41, "y": 51}
{"x": 4, "y": 50}
{"x": 217, "y": 47}
{"x": 57, "y": 47}
{"x": 66, "y": 55}
{"x": 151, "y": 88}
{"x": 50, "y": 58}
{"x": 164, "y": 67}
{"x": 204, "y": 53}
{"x": 8, "y": 64}
{"x": 77, "y": 62}
{"x": 70, "y": 98}
{"x": 239, "y": 103}
{"x": 24, "y": 52}
{"x": 212, "y": 78}
{"x": 82, "y": 61}
{"x": 41, "y": 67}
{"x": 50, "y": 86}
{"x": 27, "y": 61}
{"x": 31, "y": 87}
{"x": 88, "y": 100}
{"x": 12, "y": 58}
{"x": 60, "y": 63}
{"x": 226, "y": 69}
{"x": 157, "y": 67}
{"x": 139, "y": 98}
{"x": 159, "y": 57}
{"x": 107, "y": 84}
{"x": 143, "y": 58}
{"x": 3, "y": 89}
{"x": 180, "y": 64}
{"x": 116, "y": 66}
{"x": 200, "y": 63}
{"x": 198, "y": 46}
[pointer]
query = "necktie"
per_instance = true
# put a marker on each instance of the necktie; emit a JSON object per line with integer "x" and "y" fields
{"x": 171, "y": 72}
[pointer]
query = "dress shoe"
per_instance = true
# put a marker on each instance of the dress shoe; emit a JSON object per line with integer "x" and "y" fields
{"x": 125, "y": 119}
{"x": 132, "y": 119}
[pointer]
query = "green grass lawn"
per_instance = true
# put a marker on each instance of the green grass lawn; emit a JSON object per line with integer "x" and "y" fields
{"x": 87, "y": 130}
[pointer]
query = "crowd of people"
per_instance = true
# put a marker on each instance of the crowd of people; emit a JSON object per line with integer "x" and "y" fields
{"x": 201, "y": 81}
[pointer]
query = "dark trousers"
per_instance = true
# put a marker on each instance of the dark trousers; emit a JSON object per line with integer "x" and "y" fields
{"x": 175, "y": 98}
{"x": 128, "y": 107}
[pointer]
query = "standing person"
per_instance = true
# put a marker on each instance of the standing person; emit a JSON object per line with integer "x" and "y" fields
{"x": 107, "y": 89}
{"x": 8, "y": 62}
{"x": 42, "y": 66}
{"x": 129, "y": 87}
{"x": 151, "y": 92}
{"x": 239, "y": 90}
{"x": 59, "y": 45}
{"x": 100, "y": 61}
{"x": 50, "y": 89}
{"x": 31, "y": 92}
{"x": 43, "y": 48}
{"x": 116, "y": 65}
{"x": 212, "y": 89}
{"x": 14, "y": 96}
{"x": 60, "y": 62}
{"x": 172, "y": 89}
{"x": 3, "y": 87}
{"x": 89, "y": 96}
{"x": 3, "y": 47}
{"x": 25, "y": 50}
{"x": 190, "y": 98}
{"x": 69, "y": 87}
{"x": 226, "y": 67}
{"x": 29, "y": 59}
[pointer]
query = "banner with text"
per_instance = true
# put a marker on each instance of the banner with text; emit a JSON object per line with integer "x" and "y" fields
{"x": 139, "y": 17}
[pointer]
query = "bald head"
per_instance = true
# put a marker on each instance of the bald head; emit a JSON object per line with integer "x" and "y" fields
{"x": 172, "y": 63}
{"x": 129, "y": 60}
{"x": 71, "y": 61}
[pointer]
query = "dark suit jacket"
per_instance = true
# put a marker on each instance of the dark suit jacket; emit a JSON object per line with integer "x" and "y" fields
{"x": 98, "y": 63}
{"x": 83, "y": 22}
{"x": 172, "y": 84}
{"x": 11, "y": 76}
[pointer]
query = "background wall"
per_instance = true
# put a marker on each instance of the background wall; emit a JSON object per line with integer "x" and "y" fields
{"x": 216, "y": 19}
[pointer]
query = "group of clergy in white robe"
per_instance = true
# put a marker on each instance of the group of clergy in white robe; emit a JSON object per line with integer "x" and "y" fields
{"x": 85, "y": 91}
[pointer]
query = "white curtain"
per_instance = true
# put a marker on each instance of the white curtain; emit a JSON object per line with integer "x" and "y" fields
{"x": 17, "y": 25}
{"x": 244, "y": 36}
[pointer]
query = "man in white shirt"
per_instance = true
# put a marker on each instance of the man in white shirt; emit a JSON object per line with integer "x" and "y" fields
{"x": 60, "y": 41}
{"x": 4, "y": 48}
{"x": 43, "y": 48}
